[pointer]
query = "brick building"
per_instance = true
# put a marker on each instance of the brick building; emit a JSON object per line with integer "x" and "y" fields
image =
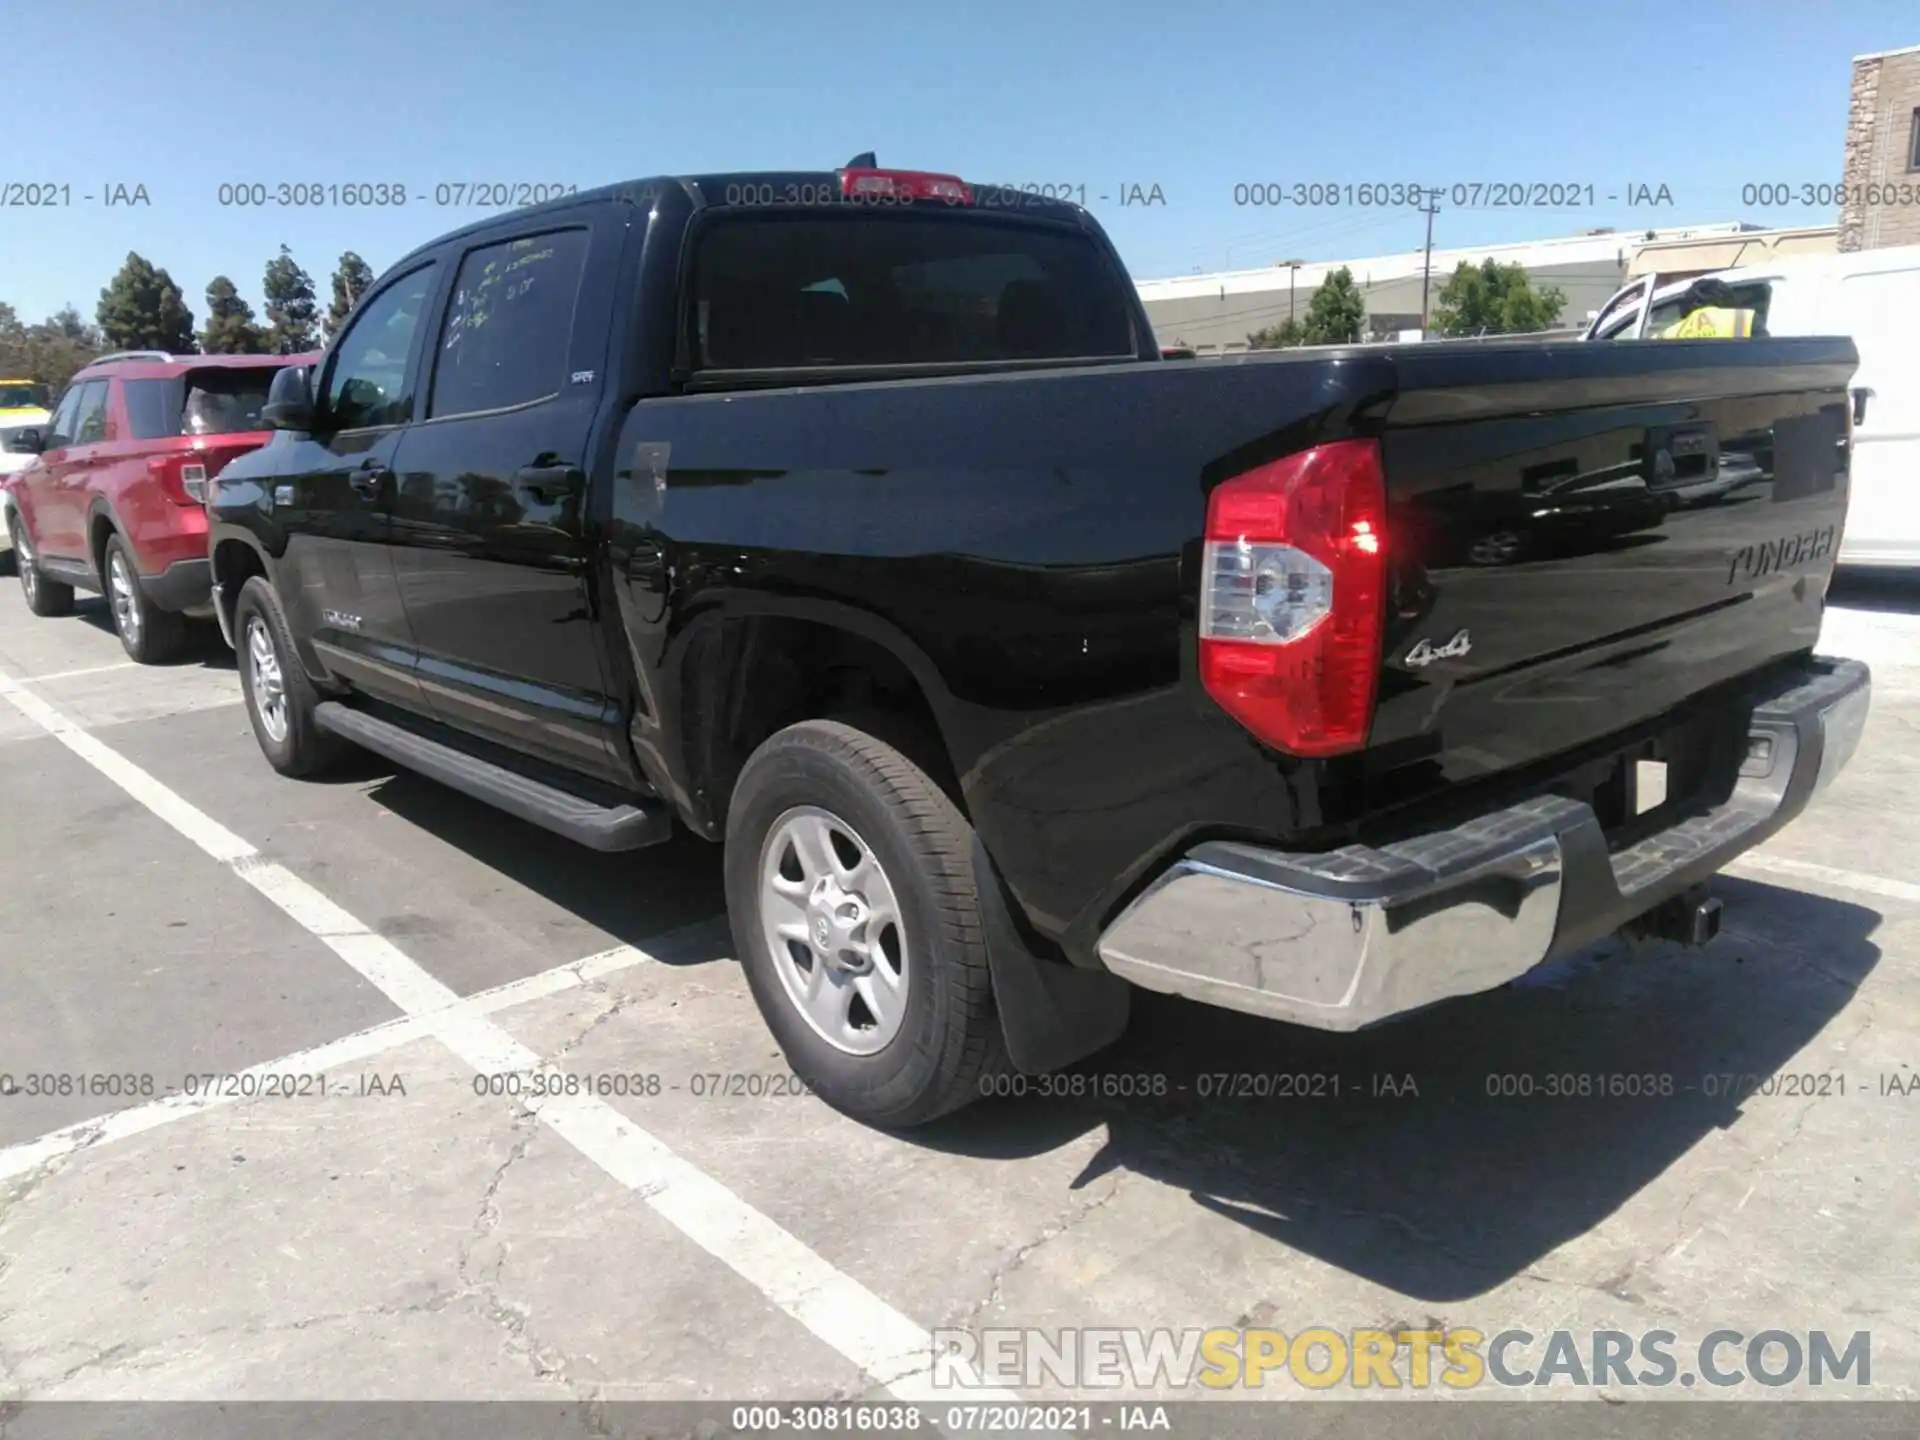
{"x": 1883, "y": 152}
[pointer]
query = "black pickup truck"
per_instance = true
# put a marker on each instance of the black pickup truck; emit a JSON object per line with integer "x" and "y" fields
{"x": 855, "y": 519}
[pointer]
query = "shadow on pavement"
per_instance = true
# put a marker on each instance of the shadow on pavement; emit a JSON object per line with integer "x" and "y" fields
{"x": 204, "y": 645}
{"x": 1400, "y": 1154}
{"x": 635, "y": 896}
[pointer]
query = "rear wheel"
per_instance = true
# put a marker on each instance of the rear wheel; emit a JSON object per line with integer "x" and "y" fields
{"x": 856, "y": 913}
{"x": 44, "y": 596}
{"x": 280, "y": 698}
{"x": 148, "y": 633}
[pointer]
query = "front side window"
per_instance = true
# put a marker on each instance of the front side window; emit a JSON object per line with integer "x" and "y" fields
{"x": 60, "y": 428}
{"x": 1616, "y": 320}
{"x": 366, "y": 382}
{"x": 507, "y": 328}
{"x": 90, "y": 414}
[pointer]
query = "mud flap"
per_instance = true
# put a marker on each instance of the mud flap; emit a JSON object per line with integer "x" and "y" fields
{"x": 1051, "y": 1013}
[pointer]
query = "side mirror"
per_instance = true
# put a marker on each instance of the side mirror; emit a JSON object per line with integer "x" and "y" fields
{"x": 290, "y": 399}
{"x": 27, "y": 440}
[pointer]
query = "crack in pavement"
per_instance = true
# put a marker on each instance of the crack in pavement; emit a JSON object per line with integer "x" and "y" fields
{"x": 511, "y": 1317}
{"x": 1049, "y": 1232}
{"x": 119, "y": 1355}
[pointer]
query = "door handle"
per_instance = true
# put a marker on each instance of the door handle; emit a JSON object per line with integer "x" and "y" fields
{"x": 549, "y": 484}
{"x": 366, "y": 481}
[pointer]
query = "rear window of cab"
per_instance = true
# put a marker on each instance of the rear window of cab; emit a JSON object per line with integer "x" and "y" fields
{"x": 867, "y": 290}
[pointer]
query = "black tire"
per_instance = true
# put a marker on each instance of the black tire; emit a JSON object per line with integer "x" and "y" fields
{"x": 44, "y": 597}
{"x": 303, "y": 749}
{"x": 949, "y": 1041}
{"x": 148, "y": 634}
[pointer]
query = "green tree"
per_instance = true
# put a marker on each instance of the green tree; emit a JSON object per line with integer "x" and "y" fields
{"x": 1337, "y": 313}
{"x": 1335, "y": 316}
{"x": 291, "y": 308}
{"x": 230, "y": 325}
{"x": 1283, "y": 336}
{"x": 350, "y": 281}
{"x": 141, "y": 309}
{"x": 1494, "y": 299}
{"x": 49, "y": 352}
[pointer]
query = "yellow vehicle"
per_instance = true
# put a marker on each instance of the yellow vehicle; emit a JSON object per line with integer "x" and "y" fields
{"x": 1713, "y": 322}
{"x": 18, "y": 395}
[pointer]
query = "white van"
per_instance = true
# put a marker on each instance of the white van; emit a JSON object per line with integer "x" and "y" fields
{"x": 1871, "y": 295}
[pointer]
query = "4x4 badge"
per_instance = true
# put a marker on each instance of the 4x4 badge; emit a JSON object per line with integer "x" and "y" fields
{"x": 1425, "y": 653}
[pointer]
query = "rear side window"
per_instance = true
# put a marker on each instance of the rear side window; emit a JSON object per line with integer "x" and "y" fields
{"x": 507, "y": 327}
{"x": 780, "y": 291}
{"x": 226, "y": 401}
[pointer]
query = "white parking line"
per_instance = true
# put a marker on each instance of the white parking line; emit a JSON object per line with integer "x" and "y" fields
{"x": 27, "y": 1155}
{"x": 1846, "y": 879}
{"x": 72, "y": 674}
{"x": 886, "y": 1344}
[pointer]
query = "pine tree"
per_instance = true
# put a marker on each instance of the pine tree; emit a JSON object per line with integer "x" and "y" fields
{"x": 291, "y": 308}
{"x": 230, "y": 325}
{"x": 350, "y": 282}
{"x": 141, "y": 309}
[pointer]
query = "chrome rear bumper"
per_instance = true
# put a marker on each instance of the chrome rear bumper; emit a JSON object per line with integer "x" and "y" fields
{"x": 1346, "y": 938}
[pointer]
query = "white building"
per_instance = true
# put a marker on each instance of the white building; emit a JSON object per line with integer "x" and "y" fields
{"x": 1215, "y": 313}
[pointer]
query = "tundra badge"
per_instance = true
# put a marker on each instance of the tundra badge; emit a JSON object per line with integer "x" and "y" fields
{"x": 1425, "y": 654}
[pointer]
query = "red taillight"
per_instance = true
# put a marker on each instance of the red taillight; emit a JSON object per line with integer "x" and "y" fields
{"x": 904, "y": 185}
{"x": 182, "y": 478}
{"x": 1291, "y": 597}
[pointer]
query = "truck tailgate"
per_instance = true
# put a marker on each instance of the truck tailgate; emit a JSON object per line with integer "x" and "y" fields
{"x": 1582, "y": 544}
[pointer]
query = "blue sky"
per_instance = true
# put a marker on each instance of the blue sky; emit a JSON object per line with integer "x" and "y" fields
{"x": 1195, "y": 98}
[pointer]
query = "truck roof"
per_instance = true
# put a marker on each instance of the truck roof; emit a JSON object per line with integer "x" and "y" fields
{"x": 711, "y": 191}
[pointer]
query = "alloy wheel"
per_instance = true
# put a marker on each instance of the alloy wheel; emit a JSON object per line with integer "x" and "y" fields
{"x": 124, "y": 598}
{"x": 267, "y": 684}
{"x": 832, "y": 922}
{"x": 23, "y": 561}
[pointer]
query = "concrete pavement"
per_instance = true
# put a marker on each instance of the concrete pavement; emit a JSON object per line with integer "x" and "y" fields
{"x": 372, "y": 1212}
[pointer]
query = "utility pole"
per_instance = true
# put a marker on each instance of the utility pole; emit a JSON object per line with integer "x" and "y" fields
{"x": 1293, "y": 271}
{"x": 1430, "y": 209}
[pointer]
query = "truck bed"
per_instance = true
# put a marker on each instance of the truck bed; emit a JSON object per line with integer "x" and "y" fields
{"x": 1609, "y": 530}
